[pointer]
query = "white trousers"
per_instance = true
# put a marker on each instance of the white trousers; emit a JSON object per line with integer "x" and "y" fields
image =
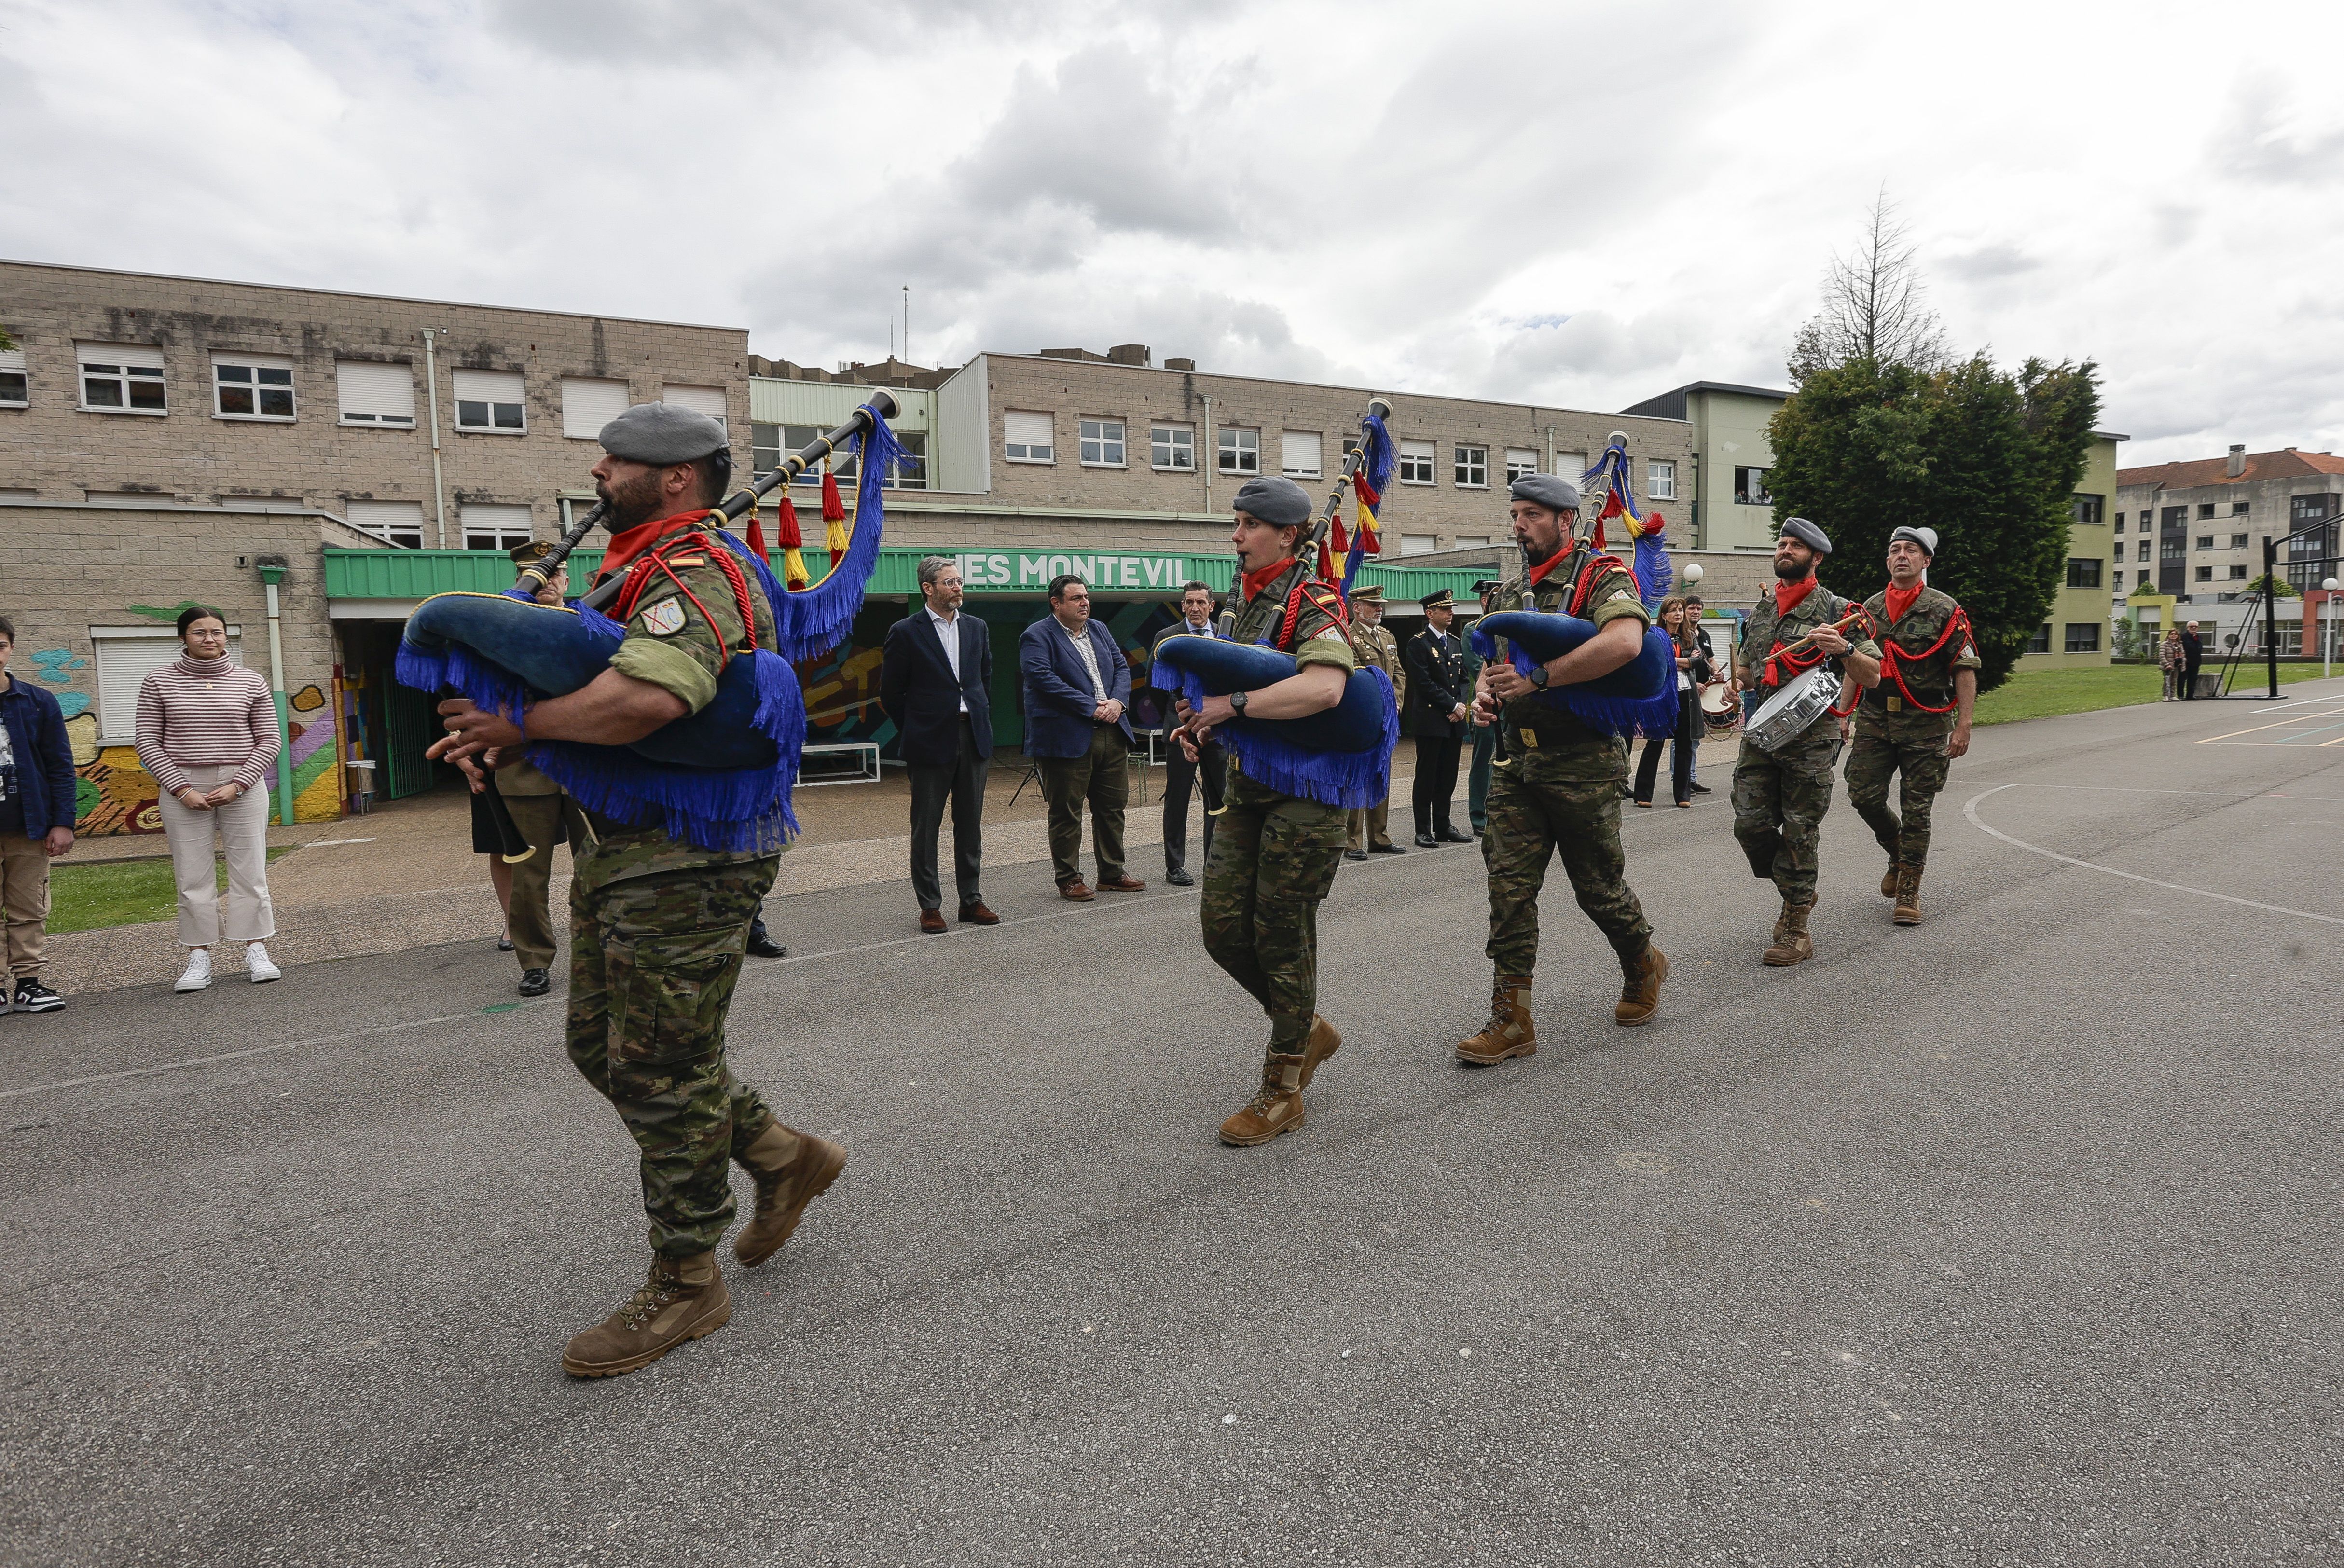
{"x": 243, "y": 829}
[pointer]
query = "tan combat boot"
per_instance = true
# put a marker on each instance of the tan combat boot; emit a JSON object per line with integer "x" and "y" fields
{"x": 1322, "y": 1043}
{"x": 791, "y": 1171}
{"x": 1509, "y": 1033}
{"x": 1277, "y": 1109}
{"x": 1639, "y": 997}
{"x": 1888, "y": 882}
{"x": 1908, "y": 894}
{"x": 1792, "y": 943}
{"x": 684, "y": 1299}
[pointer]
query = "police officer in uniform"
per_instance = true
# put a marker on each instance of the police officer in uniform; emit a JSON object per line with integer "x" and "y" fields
{"x": 1558, "y": 791}
{"x": 1276, "y": 854}
{"x": 1371, "y": 825}
{"x": 1917, "y": 721}
{"x": 1436, "y": 715}
{"x": 657, "y": 926}
{"x": 1780, "y": 797}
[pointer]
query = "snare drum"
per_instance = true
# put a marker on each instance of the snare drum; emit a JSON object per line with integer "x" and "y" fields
{"x": 1786, "y": 715}
{"x": 1719, "y": 711}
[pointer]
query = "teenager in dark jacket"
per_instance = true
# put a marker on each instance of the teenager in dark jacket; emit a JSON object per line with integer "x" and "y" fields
{"x": 37, "y": 825}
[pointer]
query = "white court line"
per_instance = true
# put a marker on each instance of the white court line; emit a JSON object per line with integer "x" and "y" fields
{"x": 1969, "y": 810}
{"x": 240, "y": 1056}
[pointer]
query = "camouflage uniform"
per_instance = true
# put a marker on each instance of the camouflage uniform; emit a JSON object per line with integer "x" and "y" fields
{"x": 1893, "y": 736}
{"x": 1780, "y": 797}
{"x": 1375, "y": 645}
{"x": 657, "y": 930}
{"x": 1558, "y": 791}
{"x": 1274, "y": 856}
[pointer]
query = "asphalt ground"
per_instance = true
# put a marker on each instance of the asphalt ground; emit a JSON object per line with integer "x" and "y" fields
{"x": 2012, "y": 1239}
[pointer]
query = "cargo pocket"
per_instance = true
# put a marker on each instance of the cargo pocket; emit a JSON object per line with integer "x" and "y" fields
{"x": 676, "y": 993}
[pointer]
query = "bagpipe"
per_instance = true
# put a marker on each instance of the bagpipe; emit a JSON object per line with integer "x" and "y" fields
{"x": 1340, "y": 755}
{"x": 720, "y": 778}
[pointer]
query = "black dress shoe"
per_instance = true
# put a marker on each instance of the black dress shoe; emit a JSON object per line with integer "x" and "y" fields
{"x": 1355, "y": 854}
{"x": 1179, "y": 878}
{"x": 1426, "y": 841}
{"x": 504, "y": 944}
{"x": 762, "y": 946}
{"x": 535, "y": 983}
{"x": 1700, "y": 789}
{"x": 1450, "y": 835}
{"x": 1386, "y": 849}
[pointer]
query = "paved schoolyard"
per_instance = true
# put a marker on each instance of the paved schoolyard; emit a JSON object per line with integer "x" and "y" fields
{"x": 2010, "y": 1239}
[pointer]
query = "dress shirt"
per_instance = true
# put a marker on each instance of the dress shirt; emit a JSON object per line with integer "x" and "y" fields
{"x": 1190, "y": 629}
{"x": 1088, "y": 655}
{"x": 948, "y": 633}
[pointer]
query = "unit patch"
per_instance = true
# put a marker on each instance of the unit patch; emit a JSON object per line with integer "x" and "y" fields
{"x": 664, "y": 618}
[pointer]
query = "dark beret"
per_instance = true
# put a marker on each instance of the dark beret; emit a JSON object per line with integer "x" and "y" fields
{"x": 1281, "y": 502}
{"x": 1550, "y": 491}
{"x": 1808, "y": 534}
{"x": 1438, "y": 599}
{"x": 663, "y": 433}
{"x": 1927, "y": 538}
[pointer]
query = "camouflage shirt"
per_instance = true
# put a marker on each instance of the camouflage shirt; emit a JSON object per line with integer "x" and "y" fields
{"x": 671, "y": 644}
{"x": 1930, "y": 680}
{"x": 1318, "y": 638}
{"x": 1545, "y": 738}
{"x": 1762, "y": 629}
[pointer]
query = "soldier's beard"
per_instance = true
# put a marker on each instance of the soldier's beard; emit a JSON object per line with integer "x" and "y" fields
{"x": 1790, "y": 574}
{"x": 636, "y": 501}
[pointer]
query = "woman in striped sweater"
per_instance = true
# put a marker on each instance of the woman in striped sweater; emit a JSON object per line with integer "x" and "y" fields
{"x": 207, "y": 731}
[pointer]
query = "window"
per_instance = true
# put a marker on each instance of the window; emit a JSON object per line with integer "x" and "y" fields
{"x": 1519, "y": 461}
{"x": 1750, "y": 488}
{"x": 126, "y": 655}
{"x": 709, "y": 400}
{"x": 1416, "y": 460}
{"x": 1418, "y": 544}
{"x": 2083, "y": 573}
{"x": 1102, "y": 444}
{"x": 2089, "y": 508}
{"x": 1240, "y": 451}
{"x": 2171, "y": 549}
{"x": 1472, "y": 467}
{"x": 588, "y": 403}
{"x": 398, "y": 522}
{"x": 796, "y": 439}
{"x": 2143, "y": 580}
{"x": 121, "y": 378}
{"x": 2204, "y": 509}
{"x": 1472, "y": 541}
{"x": 2205, "y": 542}
{"x": 494, "y": 525}
{"x": 252, "y": 387}
{"x": 2120, "y": 522}
{"x": 2041, "y": 642}
{"x": 373, "y": 393}
{"x": 490, "y": 400}
{"x": 912, "y": 468}
{"x": 765, "y": 453}
{"x": 2205, "y": 574}
{"x": 1173, "y": 447}
{"x": 2238, "y": 572}
{"x": 2174, "y": 518}
{"x": 2083, "y": 636}
{"x": 1301, "y": 455}
{"x": 1027, "y": 438}
{"x": 11, "y": 379}
{"x": 2241, "y": 509}
{"x": 1660, "y": 480}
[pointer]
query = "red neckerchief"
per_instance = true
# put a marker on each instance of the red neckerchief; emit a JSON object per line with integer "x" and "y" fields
{"x": 1788, "y": 596}
{"x": 1254, "y": 582}
{"x": 1538, "y": 573}
{"x": 629, "y": 543}
{"x": 1900, "y": 600}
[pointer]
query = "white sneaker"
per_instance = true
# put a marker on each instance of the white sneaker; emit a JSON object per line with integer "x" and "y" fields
{"x": 198, "y": 973}
{"x": 255, "y": 958}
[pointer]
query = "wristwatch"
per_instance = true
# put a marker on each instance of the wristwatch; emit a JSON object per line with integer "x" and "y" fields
{"x": 1237, "y": 702}
{"x": 1540, "y": 677}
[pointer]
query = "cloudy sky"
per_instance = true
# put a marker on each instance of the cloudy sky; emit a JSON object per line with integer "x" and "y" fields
{"x": 1579, "y": 204}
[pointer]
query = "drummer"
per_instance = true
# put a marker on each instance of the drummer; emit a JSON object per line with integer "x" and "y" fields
{"x": 1780, "y": 795}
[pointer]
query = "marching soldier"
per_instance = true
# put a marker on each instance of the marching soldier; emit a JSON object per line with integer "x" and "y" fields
{"x": 1371, "y": 830}
{"x": 1558, "y": 792}
{"x": 1917, "y": 721}
{"x": 1276, "y": 854}
{"x": 1780, "y": 797}
{"x": 1435, "y": 716}
{"x": 657, "y": 926}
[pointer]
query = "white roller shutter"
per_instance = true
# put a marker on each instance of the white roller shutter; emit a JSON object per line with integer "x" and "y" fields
{"x": 488, "y": 386}
{"x": 12, "y": 359}
{"x": 587, "y": 405}
{"x": 143, "y": 356}
{"x": 1301, "y": 453}
{"x": 398, "y": 522}
{"x": 1027, "y": 437}
{"x": 375, "y": 394}
{"x": 709, "y": 400}
{"x": 494, "y": 525}
{"x": 126, "y": 656}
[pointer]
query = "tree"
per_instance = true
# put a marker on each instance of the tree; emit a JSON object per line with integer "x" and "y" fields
{"x": 2280, "y": 586}
{"x": 1872, "y": 306}
{"x": 1987, "y": 459}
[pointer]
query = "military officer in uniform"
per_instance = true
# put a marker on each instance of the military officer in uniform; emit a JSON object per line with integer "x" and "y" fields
{"x": 657, "y": 926}
{"x": 1435, "y": 716}
{"x": 1558, "y": 792}
{"x": 1780, "y": 797}
{"x": 1276, "y": 854}
{"x": 1917, "y": 721}
{"x": 1370, "y": 829}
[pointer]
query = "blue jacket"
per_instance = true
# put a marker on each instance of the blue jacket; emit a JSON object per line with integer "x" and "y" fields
{"x": 1058, "y": 699}
{"x": 45, "y": 765}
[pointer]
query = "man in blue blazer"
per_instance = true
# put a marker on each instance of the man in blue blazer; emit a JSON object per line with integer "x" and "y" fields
{"x": 936, "y": 680}
{"x": 1076, "y": 689}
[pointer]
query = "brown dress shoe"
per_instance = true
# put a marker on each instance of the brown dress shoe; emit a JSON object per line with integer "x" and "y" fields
{"x": 1792, "y": 943}
{"x": 791, "y": 1171}
{"x": 1076, "y": 890}
{"x": 1639, "y": 997}
{"x": 1509, "y": 1033}
{"x": 1322, "y": 1042}
{"x": 932, "y": 921}
{"x": 1126, "y": 884}
{"x": 1908, "y": 894}
{"x": 684, "y": 1299}
{"x": 976, "y": 914}
{"x": 1277, "y": 1109}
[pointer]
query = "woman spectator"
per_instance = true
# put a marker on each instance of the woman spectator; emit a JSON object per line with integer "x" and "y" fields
{"x": 207, "y": 731}
{"x": 2169, "y": 658}
{"x": 1691, "y": 671}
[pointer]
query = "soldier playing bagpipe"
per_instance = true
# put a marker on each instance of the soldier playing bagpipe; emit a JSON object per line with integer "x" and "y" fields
{"x": 1917, "y": 721}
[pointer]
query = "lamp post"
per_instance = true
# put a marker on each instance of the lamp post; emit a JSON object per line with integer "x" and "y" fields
{"x": 2328, "y": 629}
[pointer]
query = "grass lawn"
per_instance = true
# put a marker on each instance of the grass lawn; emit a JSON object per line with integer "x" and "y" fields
{"x": 116, "y": 893}
{"x": 2042, "y": 693}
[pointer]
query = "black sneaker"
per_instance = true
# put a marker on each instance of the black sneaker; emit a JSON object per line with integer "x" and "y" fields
{"x": 32, "y": 996}
{"x": 535, "y": 983}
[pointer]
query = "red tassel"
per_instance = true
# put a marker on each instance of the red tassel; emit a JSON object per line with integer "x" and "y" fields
{"x": 786, "y": 532}
{"x": 1654, "y": 522}
{"x": 1336, "y": 541}
{"x": 833, "y": 510}
{"x": 757, "y": 536}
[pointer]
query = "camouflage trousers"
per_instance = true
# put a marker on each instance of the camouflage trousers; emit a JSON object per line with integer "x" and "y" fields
{"x": 1919, "y": 760}
{"x": 1534, "y": 818}
{"x": 1779, "y": 801}
{"x": 652, "y": 962}
{"x": 1274, "y": 858}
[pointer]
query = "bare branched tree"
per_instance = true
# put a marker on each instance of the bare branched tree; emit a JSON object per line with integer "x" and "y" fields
{"x": 1873, "y": 306}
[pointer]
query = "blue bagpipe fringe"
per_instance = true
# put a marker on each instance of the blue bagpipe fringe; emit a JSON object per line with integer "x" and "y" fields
{"x": 1599, "y": 704}
{"x": 1348, "y": 779}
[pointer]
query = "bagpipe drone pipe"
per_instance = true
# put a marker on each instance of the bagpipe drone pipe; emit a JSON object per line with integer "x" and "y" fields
{"x": 1338, "y": 756}
{"x": 720, "y": 778}
{"x": 1639, "y": 697}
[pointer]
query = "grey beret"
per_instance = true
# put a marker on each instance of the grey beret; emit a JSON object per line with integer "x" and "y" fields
{"x": 1281, "y": 502}
{"x": 1927, "y": 538}
{"x": 1808, "y": 534}
{"x": 663, "y": 433}
{"x": 1550, "y": 491}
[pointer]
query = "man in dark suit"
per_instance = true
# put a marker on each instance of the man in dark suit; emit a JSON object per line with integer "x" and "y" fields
{"x": 2193, "y": 653}
{"x": 1437, "y": 695}
{"x": 935, "y": 677}
{"x": 1196, "y": 621}
{"x": 1076, "y": 689}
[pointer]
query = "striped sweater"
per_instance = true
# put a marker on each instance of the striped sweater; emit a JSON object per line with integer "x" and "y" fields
{"x": 196, "y": 712}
